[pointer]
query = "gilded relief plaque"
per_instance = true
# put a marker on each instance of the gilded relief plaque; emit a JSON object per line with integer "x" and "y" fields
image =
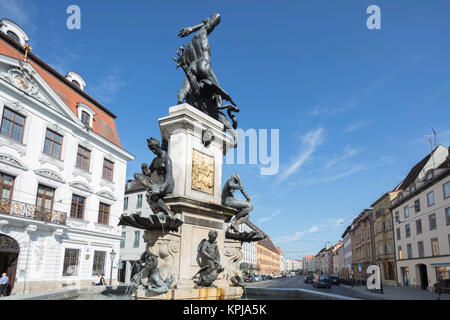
{"x": 202, "y": 172}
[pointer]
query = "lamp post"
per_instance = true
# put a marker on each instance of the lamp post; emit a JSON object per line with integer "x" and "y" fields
{"x": 112, "y": 255}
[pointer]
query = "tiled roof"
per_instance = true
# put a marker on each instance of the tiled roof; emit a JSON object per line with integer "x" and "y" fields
{"x": 103, "y": 122}
{"x": 414, "y": 172}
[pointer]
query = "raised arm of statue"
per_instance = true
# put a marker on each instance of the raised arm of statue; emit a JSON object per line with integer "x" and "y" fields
{"x": 235, "y": 186}
{"x": 212, "y": 22}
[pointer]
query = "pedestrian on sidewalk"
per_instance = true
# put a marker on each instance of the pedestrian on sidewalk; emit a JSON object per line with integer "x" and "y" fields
{"x": 4, "y": 285}
{"x": 438, "y": 289}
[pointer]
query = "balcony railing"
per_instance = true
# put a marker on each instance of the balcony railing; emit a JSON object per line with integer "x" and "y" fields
{"x": 31, "y": 211}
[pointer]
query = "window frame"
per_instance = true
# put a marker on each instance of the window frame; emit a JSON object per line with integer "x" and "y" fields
{"x": 66, "y": 263}
{"x": 83, "y": 156}
{"x": 96, "y": 263}
{"x": 418, "y": 223}
{"x": 52, "y": 143}
{"x": 406, "y": 210}
{"x": 77, "y": 204}
{"x": 432, "y": 248}
{"x": 83, "y": 116}
{"x": 3, "y": 185}
{"x": 434, "y": 219}
{"x": 104, "y": 211}
{"x": 13, "y": 123}
{"x": 407, "y": 230}
{"x": 136, "y": 239}
{"x": 443, "y": 187}
{"x": 447, "y": 216}
{"x": 44, "y": 196}
{"x": 107, "y": 162}
{"x": 428, "y": 198}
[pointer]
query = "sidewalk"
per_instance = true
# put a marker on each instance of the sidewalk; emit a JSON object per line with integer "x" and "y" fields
{"x": 399, "y": 293}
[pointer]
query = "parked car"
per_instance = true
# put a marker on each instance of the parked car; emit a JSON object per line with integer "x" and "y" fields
{"x": 269, "y": 277}
{"x": 283, "y": 276}
{"x": 263, "y": 277}
{"x": 249, "y": 279}
{"x": 257, "y": 277}
{"x": 308, "y": 279}
{"x": 322, "y": 281}
{"x": 334, "y": 280}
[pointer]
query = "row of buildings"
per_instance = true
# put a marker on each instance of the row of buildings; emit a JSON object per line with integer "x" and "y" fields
{"x": 406, "y": 232}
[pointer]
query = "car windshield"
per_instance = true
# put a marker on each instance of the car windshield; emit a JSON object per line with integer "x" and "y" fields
{"x": 323, "y": 277}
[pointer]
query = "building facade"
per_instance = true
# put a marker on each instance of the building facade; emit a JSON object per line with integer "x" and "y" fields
{"x": 308, "y": 263}
{"x": 363, "y": 244}
{"x": 62, "y": 168}
{"x": 421, "y": 214}
{"x": 347, "y": 247}
{"x": 269, "y": 258}
{"x": 384, "y": 238}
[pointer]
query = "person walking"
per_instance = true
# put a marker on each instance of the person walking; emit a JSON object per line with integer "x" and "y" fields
{"x": 438, "y": 290}
{"x": 4, "y": 285}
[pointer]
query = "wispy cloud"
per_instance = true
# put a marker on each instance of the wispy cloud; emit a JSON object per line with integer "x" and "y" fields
{"x": 109, "y": 86}
{"x": 357, "y": 125}
{"x": 344, "y": 174}
{"x": 346, "y": 154}
{"x": 270, "y": 217}
{"x": 353, "y": 101}
{"x": 310, "y": 142}
{"x": 330, "y": 226}
{"x": 19, "y": 12}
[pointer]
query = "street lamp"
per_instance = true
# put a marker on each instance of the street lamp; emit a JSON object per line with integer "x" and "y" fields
{"x": 112, "y": 255}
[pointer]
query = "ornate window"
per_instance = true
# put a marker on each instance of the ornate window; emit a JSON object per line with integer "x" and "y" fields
{"x": 53, "y": 143}
{"x": 12, "y": 125}
{"x": 98, "y": 266}
{"x": 103, "y": 213}
{"x": 45, "y": 197}
{"x": 6, "y": 187}
{"x": 83, "y": 158}
{"x": 71, "y": 262}
{"x": 108, "y": 169}
{"x": 77, "y": 208}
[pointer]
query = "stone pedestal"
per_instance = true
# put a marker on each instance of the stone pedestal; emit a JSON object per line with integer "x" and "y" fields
{"x": 196, "y": 200}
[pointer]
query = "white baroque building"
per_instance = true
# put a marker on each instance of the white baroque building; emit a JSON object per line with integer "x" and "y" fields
{"x": 62, "y": 173}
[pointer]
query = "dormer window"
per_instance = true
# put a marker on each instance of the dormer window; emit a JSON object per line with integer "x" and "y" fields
{"x": 412, "y": 188}
{"x": 85, "y": 114}
{"x": 13, "y": 31}
{"x": 400, "y": 196}
{"x": 85, "y": 118}
{"x": 13, "y": 36}
{"x": 76, "y": 79}
{"x": 429, "y": 175}
{"x": 75, "y": 82}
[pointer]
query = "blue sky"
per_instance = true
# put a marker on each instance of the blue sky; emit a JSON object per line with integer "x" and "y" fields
{"x": 353, "y": 105}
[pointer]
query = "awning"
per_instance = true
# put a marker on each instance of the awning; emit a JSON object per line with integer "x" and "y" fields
{"x": 440, "y": 264}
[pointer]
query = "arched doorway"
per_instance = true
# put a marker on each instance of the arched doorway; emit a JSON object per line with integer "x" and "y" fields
{"x": 9, "y": 254}
{"x": 423, "y": 275}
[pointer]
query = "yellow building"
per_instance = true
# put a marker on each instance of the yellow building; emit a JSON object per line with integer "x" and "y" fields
{"x": 268, "y": 257}
{"x": 384, "y": 238}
